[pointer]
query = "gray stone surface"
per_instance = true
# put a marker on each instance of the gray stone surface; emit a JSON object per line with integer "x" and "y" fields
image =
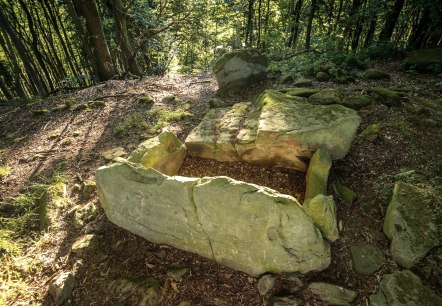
{"x": 240, "y": 68}
{"x": 366, "y": 258}
{"x": 266, "y": 283}
{"x": 279, "y": 130}
{"x": 61, "y": 287}
{"x": 411, "y": 223}
{"x": 164, "y": 153}
{"x": 332, "y": 294}
{"x": 317, "y": 174}
{"x": 243, "y": 226}
{"x": 322, "y": 209}
{"x": 326, "y": 97}
{"x": 403, "y": 288}
{"x": 147, "y": 290}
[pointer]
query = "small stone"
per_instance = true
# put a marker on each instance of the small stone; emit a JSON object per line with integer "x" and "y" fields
{"x": 81, "y": 106}
{"x": 54, "y": 135}
{"x": 87, "y": 188}
{"x": 345, "y": 193}
{"x": 40, "y": 112}
{"x": 366, "y": 259}
{"x": 322, "y": 76}
{"x": 170, "y": 99}
{"x": 84, "y": 214}
{"x": 98, "y": 103}
{"x": 284, "y": 301}
{"x": 58, "y": 109}
{"x": 266, "y": 283}
{"x": 326, "y": 97}
{"x": 146, "y": 290}
{"x": 387, "y": 96}
{"x": 403, "y": 288}
{"x": 332, "y": 294}
{"x": 113, "y": 153}
{"x": 371, "y": 132}
{"x": 76, "y": 133}
{"x": 85, "y": 242}
{"x": 147, "y": 99}
{"x": 69, "y": 102}
{"x": 376, "y": 74}
{"x": 356, "y": 102}
{"x": 185, "y": 303}
{"x": 61, "y": 287}
{"x": 67, "y": 141}
{"x": 303, "y": 82}
{"x": 301, "y": 92}
{"x": 177, "y": 273}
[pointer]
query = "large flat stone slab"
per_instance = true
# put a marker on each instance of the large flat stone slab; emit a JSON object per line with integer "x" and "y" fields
{"x": 243, "y": 226}
{"x": 278, "y": 130}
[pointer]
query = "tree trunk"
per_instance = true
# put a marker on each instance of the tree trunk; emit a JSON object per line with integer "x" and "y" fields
{"x": 416, "y": 38}
{"x": 370, "y": 32}
{"x": 249, "y": 28}
{"x": 295, "y": 26}
{"x": 309, "y": 25}
{"x": 258, "y": 40}
{"x": 128, "y": 56}
{"x": 5, "y": 89}
{"x": 27, "y": 63}
{"x": 100, "y": 51}
{"x": 266, "y": 24}
{"x": 390, "y": 21}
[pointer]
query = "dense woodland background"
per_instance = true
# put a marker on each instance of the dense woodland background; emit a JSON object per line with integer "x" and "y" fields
{"x": 51, "y": 44}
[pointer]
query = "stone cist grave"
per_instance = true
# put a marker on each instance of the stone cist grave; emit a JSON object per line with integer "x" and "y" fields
{"x": 244, "y": 226}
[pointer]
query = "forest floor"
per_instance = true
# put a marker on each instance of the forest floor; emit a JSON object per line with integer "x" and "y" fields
{"x": 36, "y": 144}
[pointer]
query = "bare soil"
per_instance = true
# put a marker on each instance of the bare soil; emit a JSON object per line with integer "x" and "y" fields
{"x": 370, "y": 169}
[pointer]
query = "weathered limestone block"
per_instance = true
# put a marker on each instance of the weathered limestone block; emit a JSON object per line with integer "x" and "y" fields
{"x": 240, "y": 68}
{"x": 243, "y": 226}
{"x": 164, "y": 153}
{"x": 317, "y": 174}
{"x": 322, "y": 209}
{"x": 411, "y": 224}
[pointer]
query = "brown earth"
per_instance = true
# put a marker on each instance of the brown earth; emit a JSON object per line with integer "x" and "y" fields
{"x": 370, "y": 169}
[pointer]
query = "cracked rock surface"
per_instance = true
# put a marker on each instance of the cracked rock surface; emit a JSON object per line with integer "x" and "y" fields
{"x": 278, "y": 130}
{"x": 243, "y": 226}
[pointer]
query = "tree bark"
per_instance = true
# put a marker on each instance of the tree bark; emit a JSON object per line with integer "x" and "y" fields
{"x": 370, "y": 32}
{"x": 295, "y": 26}
{"x": 249, "y": 28}
{"x": 100, "y": 51}
{"x": 416, "y": 39}
{"x": 309, "y": 25}
{"x": 390, "y": 22}
{"x": 128, "y": 57}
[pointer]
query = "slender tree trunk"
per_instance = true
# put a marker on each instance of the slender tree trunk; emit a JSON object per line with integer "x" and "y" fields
{"x": 100, "y": 51}
{"x": 295, "y": 25}
{"x": 390, "y": 22}
{"x": 249, "y": 28}
{"x": 370, "y": 32}
{"x": 258, "y": 40}
{"x": 266, "y": 25}
{"x": 27, "y": 62}
{"x": 416, "y": 38}
{"x": 128, "y": 56}
{"x": 8, "y": 95}
{"x": 309, "y": 25}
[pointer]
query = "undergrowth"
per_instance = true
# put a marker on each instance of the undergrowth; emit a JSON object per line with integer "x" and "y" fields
{"x": 19, "y": 236}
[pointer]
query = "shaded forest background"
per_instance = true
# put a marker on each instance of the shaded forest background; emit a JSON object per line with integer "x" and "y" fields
{"x": 48, "y": 45}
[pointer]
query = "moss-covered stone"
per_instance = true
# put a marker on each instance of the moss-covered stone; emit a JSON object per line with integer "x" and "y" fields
{"x": 411, "y": 223}
{"x": 286, "y": 79}
{"x": 303, "y": 82}
{"x": 61, "y": 287}
{"x": 424, "y": 60}
{"x": 4, "y": 171}
{"x": 247, "y": 55}
{"x": 147, "y": 99}
{"x": 344, "y": 79}
{"x": 69, "y": 102}
{"x": 322, "y": 76}
{"x": 332, "y": 294}
{"x": 84, "y": 214}
{"x": 98, "y": 103}
{"x": 371, "y": 132}
{"x": 113, "y": 153}
{"x": 266, "y": 283}
{"x": 387, "y": 96}
{"x": 366, "y": 259}
{"x": 301, "y": 92}
{"x": 376, "y": 74}
{"x": 50, "y": 204}
{"x": 177, "y": 273}
{"x": 171, "y": 99}
{"x": 317, "y": 174}
{"x": 146, "y": 290}
{"x": 85, "y": 243}
{"x": 345, "y": 193}
{"x": 356, "y": 102}
{"x": 87, "y": 188}
{"x": 81, "y": 106}
{"x": 216, "y": 103}
{"x": 326, "y": 97}
{"x": 322, "y": 209}
{"x": 403, "y": 288}
{"x": 54, "y": 135}
{"x": 40, "y": 112}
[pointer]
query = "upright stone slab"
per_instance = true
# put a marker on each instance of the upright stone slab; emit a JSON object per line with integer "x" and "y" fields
{"x": 164, "y": 153}
{"x": 317, "y": 174}
{"x": 322, "y": 209}
{"x": 243, "y": 226}
{"x": 240, "y": 68}
{"x": 411, "y": 224}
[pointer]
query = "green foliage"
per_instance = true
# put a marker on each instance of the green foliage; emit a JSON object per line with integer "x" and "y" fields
{"x": 133, "y": 121}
